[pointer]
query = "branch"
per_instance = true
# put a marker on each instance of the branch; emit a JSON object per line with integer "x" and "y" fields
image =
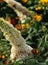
{"x": 20, "y": 10}
{"x": 18, "y": 6}
{"x": 19, "y": 49}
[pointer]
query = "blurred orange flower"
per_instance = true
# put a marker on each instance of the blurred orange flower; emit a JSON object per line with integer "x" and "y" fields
{"x": 1, "y": 0}
{"x": 18, "y": 26}
{"x": 38, "y": 17}
{"x": 9, "y": 19}
{"x": 24, "y": 1}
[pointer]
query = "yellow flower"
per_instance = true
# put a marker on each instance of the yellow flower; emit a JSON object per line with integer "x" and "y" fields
{"x": 37, "y": 17}
{"x": 38, "y": 8}
{"x": 44, "y": 1}
{"x": 23, "y": 26}
{"x": 27, "y": 25}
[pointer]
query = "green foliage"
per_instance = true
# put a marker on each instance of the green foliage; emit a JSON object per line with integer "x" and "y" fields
{"x": 36, "y": 36}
